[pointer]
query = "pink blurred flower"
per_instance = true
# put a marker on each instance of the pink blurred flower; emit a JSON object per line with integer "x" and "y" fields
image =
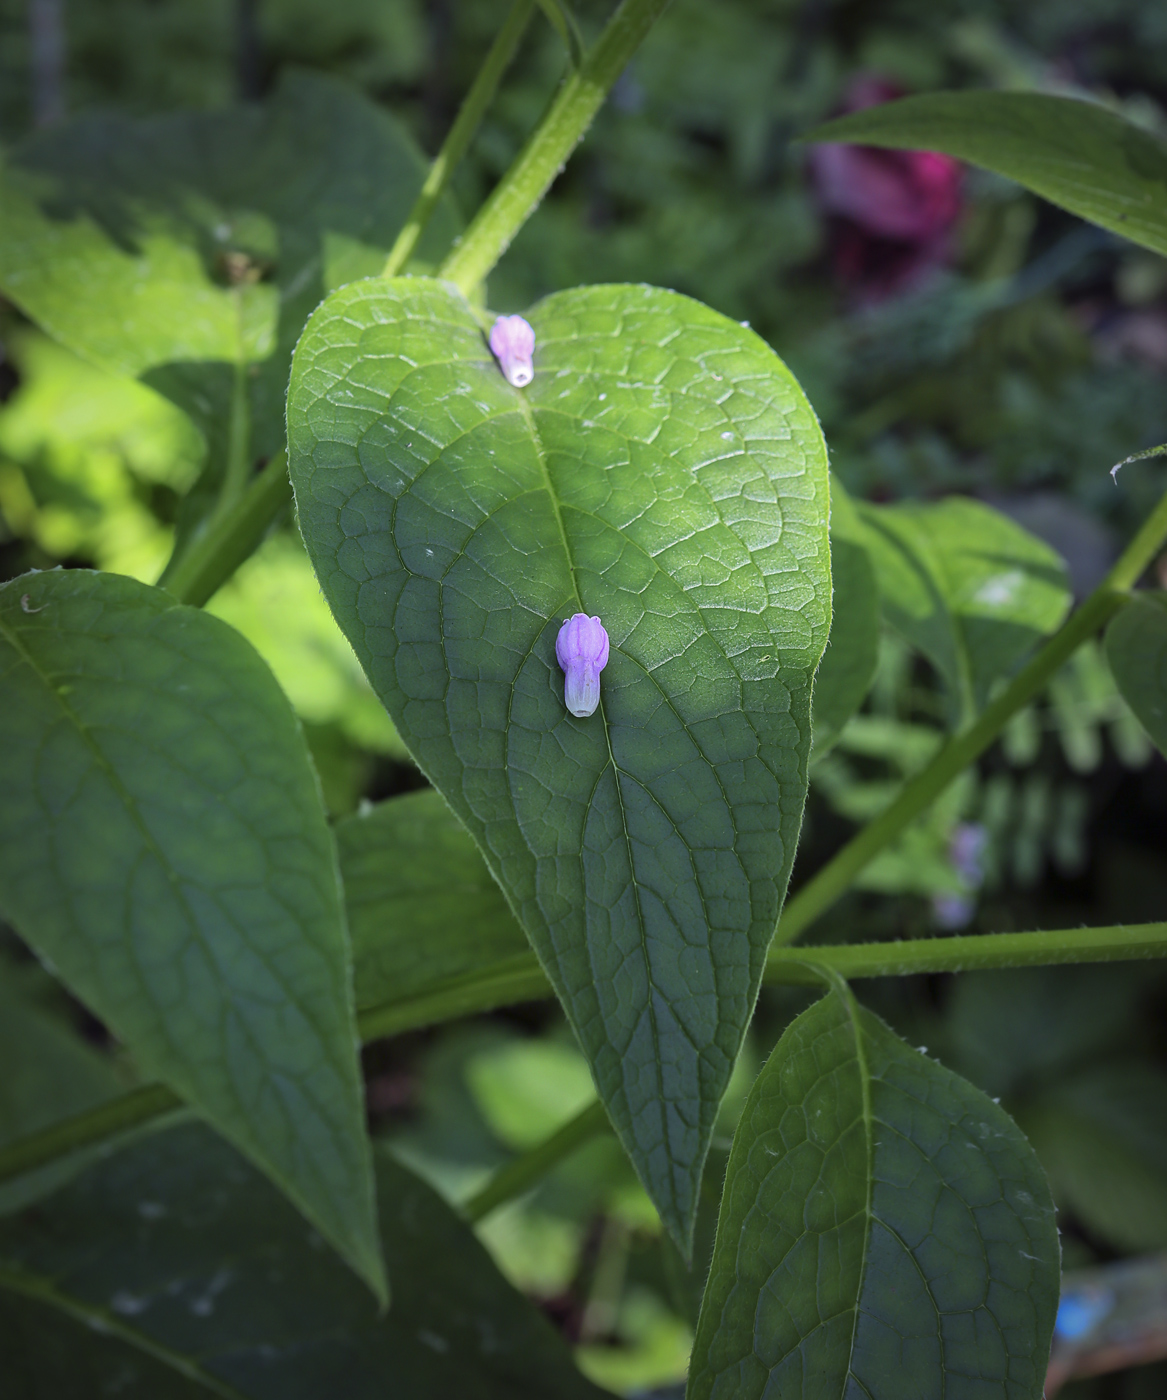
{"x": 892, "y": 210}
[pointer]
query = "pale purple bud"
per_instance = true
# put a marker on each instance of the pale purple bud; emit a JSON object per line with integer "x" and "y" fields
{"x": 582, "y": 650}
{"x": 512, "y": 341}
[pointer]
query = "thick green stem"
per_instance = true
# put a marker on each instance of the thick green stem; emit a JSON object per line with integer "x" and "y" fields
{"x": 836, "y": 877}
{"x": 528, "y": 1170}
{"x": 232, "y": 537}
{"x": 520, "y": 979}
{"x": 543, "y": 157}
{"x": 478, "y": 99}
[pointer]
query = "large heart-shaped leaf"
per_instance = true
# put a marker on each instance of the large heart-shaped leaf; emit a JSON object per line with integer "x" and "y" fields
{"x": 1136, "y": 647}
{"x": 163, "y": 844}
{"x": 1076, "y": 154}
{"x": 968, "y": 586}
{"x": 663, "y": 472}
{"x": 175, "y": 1271}
{"x": 189, "y": 249}
{"x": 885, "y": 1231}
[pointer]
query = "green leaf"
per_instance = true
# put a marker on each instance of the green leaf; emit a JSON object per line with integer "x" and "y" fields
{"x": 1075, "y": 154}
{"x": 163, "y": 843}
{"x": 174, "y": 1270}
{"x": 1136, "y": 647}
{"x": 969, "y": 588}
{"x": 885, "y": 1230}
{"x": 188, "y": 250}
{"x": 663, "y": 472}
{"x": 848, "y": 665}
{"x": 422, "y": 906}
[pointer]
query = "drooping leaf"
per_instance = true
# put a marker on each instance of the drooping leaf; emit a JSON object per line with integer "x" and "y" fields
{"x": 885, "y": 1230}
{"x": 422, "y": 906}
{"x": 664, "y": 473}
{"x": 848, "y": 665}
{"x": 1075, "y": 154}
{"x": 163, "y": 843}
{"x": 174, "y": 1270}
{"x": 188, "y": 250}
{"x": 968, "y": 587}
{"x": 1136, "y": 647}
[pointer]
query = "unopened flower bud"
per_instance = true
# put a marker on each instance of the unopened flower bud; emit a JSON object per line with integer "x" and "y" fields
{"x": 512, "y": 342}
{"x": 582, "y": 650}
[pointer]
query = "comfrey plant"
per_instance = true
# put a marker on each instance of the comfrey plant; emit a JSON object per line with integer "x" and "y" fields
{"x": 498, "y": 510}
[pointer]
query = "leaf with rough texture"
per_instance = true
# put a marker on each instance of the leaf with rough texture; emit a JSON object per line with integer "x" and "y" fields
{"x": 886, "y": 1232}
{"x": 848, "y": 665}
{"x": 968, "y": 587}
{"x": 163, "y": 844}
{"x": 174, "y": 1270}
{"x": 422, "y": 906}
{"x": 1076, "y": 154}
{"x": 189, "y": 249}
{"x": 663, "y": 472}
{"x": 1136, "y": 647}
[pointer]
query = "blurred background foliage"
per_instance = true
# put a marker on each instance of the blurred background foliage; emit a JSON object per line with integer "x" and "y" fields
{"x": 995, "y": 348}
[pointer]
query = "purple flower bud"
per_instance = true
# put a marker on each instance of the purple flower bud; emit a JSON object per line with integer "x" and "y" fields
{"x": 582, "y": 650}
{"x": 512, "y": 341}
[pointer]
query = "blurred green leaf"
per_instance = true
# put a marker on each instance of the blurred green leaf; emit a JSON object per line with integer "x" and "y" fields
{"x": 175, "y": 1270}
{"x": 885, "y": 1229}
{"x": 528, "y": 1089}
{"x": 663, "y": 472}
{"x": 1076, "y": 154}
{"x": 162, "y": 841}
{"x": 188, "y": 250}
{"x": 422, "y": 906}
{"x": 969, "y": 588}
{"x": 1102, "y": 1136}
{"x": 1136, "y": 647}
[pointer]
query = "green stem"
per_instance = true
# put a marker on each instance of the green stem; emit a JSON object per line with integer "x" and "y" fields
{"x": 478, "y": 99}
{"x": 529, "y": 1169}
{"x": 831, "y": 882}
{"x": 520, "y": 979}
{"x": 543, "y": 157}
{"x": 232, "y": 537}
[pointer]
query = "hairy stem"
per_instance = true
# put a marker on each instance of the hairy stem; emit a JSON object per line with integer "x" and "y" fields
{"x": 518, "y": 979}
{"x": 532, "y": 1166}
{"x": 526, "y": 182}
{"x": 470, "y": 114}
{"x": 835, "y": 878}
{"x": 230, "y": 540}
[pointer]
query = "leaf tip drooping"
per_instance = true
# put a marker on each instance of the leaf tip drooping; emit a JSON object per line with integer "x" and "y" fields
{"x": 582, "y": 650}
{"x": 512, "y": 342}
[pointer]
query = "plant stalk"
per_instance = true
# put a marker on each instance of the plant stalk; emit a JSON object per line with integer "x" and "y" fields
{"x": 470, "y": 114}
{"x": 547, "y": 149}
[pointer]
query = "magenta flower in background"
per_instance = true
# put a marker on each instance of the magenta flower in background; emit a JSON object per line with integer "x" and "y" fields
{"x": 582, "y": 650}
{"x": 512, "y": 342}
{"x": 892, "y": 211}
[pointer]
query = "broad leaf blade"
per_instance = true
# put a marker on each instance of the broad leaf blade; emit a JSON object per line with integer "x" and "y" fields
{"x": 1136, "y": 647}
{"x": 162, "y": 842}
{"x": 188, "y": 250}
{"x": 1075, "y": 154}
{"x": 174, "y": 1270}
{"x": 422, "y": 906}
{"x": 885, "y": 1231}
{"x": 967, "y": 586}
{"x": 663, "y": 472}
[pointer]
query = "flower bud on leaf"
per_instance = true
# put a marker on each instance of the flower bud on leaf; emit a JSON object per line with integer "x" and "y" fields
{"x": 582, "y": 650}
{"x": 512, "y": 342}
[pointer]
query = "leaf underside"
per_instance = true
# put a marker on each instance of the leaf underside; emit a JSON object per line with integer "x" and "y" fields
{"x": 886, "y": 1232}
{"x": 164, "y": 847}
{"x": 662, "y": 472}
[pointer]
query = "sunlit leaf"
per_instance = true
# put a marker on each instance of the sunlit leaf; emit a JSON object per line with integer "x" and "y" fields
{"x": 1074, "y": 153}
{"x": 885, "y": 1230}
{"x": 664, "y": 473}
{"x": 162, "y": 842}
